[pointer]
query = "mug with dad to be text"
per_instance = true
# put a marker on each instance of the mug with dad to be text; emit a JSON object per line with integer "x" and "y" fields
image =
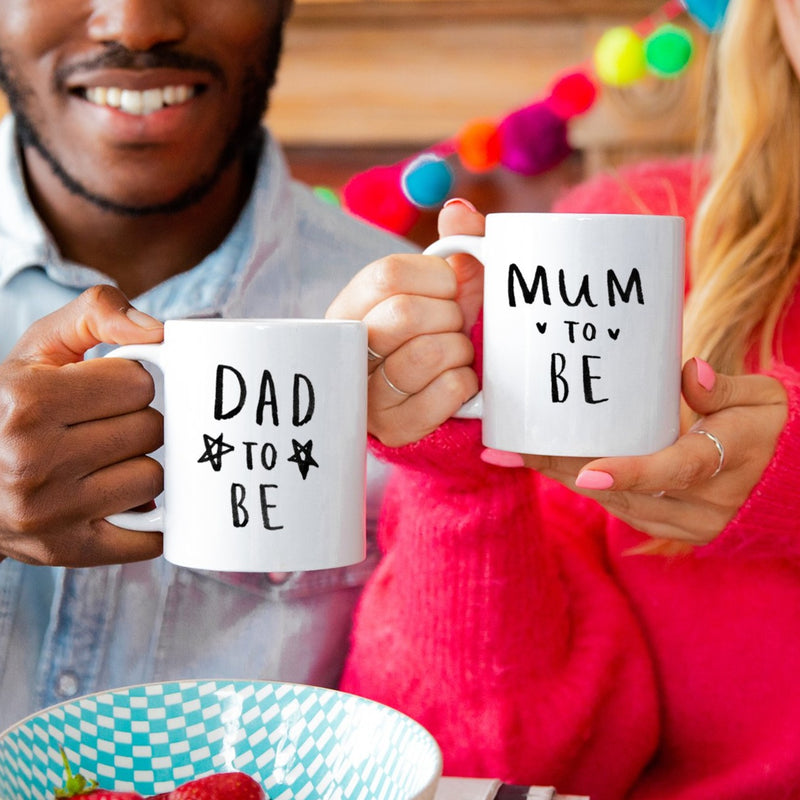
{"x": 582, "y": 332}
{"x": 264, "y": 443}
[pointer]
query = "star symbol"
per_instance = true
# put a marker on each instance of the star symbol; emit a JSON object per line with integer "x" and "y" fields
{"x": 215, "y": 449}
{"x": 302, "y": 457}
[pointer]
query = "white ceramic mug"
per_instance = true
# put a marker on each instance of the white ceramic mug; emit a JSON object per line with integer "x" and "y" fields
{"x": 582, "y": 331}
{"x": 264, "y": 443}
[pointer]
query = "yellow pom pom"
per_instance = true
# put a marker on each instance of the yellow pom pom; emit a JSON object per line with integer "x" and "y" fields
{"x": 619, "y": 58}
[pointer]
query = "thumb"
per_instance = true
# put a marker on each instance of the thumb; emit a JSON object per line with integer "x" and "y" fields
{"x": 100, "y": 315}
{"x": 460, "y": 217}
{"x": 708, "y": 392}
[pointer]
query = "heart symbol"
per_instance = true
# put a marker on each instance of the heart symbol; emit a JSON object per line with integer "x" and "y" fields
{"x": 614, "y": 334}
{"x": 541, "y": 326}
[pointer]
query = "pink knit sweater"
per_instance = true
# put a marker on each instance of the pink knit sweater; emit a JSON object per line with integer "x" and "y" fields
{"x": 509, "y": 617}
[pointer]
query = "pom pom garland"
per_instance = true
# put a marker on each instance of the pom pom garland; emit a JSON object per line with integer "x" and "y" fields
{"x": 375, "y": 196}
{"x": 478, "y": 145}
{"x": 572, "y": 94}
{"x": 668, "y": 51}
{"x": 535, "y": 138}
{"x": 619, "y": 57}
{"x": 327, "y": 195}
{"x": 427, "y": 181}
{"x": 710, "y": 13}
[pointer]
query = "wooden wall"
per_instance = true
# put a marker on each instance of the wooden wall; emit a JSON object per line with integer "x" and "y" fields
{"x": 367, "y": 82}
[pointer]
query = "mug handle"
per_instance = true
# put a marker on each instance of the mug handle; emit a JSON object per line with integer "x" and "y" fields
{"x": 450, "y": 246}
{"x": 152, "y": 520}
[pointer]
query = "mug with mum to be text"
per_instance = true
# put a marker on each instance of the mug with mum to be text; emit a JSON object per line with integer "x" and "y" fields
{"x": 264, "y": 443}
{"x": 582, "y": 332}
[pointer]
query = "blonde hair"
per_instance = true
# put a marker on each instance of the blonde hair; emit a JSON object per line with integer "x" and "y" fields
{"x": 745, "y": 241}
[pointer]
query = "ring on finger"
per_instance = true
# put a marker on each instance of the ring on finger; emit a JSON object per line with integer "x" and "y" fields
{"x": 394, "y": 388}
{"x": 718, "y": 445}
{"x": 373, "y": 356}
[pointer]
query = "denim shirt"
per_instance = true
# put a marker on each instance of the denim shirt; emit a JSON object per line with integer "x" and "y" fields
{"x": 65, "y": 632}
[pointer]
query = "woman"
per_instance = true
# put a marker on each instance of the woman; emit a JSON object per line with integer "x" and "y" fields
{"x": 628, "y": 627}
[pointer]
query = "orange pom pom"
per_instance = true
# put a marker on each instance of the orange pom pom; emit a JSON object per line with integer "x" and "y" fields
{"x": 479, "y": 145}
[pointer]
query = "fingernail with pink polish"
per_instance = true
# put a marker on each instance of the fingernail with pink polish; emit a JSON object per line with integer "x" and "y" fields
{"x": 460, "y": 201}
{"x": 594, "y": 479}
{"x": 502, "y": 458}
{"x": 706, "y": 376}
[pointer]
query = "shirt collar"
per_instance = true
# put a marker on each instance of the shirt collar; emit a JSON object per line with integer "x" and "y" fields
{"x": 24, "y": 241}
{"x": 205, "y": 290}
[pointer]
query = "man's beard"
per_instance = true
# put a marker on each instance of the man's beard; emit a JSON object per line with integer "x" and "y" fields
{"x": 244, "y": 139}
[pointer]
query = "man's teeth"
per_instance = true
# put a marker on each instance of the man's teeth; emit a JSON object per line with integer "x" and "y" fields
{"x": 135, "y": 102}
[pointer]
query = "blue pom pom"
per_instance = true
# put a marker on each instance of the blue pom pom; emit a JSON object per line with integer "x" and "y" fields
{"x": 427, "y": 181}
{"x": 710, "y": 13}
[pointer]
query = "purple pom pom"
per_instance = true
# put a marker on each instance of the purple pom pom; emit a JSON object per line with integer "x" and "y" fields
{"x": 534, "y": 140}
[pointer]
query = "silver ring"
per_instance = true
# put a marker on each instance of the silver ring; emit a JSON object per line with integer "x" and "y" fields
{"x": 372, "y": 355}
{"x": 390, "y": 384}
{"x": 718, "y": 445}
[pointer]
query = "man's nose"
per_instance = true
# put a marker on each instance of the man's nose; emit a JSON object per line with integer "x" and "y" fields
{"x": 138, "y": 25}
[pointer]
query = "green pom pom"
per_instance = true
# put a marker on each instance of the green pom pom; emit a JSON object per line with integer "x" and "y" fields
{"x": 668, "y": 51}
{"x": 327, "y": 195}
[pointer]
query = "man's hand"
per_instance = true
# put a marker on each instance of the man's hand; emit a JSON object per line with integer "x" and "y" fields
{"x": 74, "y": 436}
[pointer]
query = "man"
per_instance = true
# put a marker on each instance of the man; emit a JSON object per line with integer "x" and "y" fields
{"x": 134, "y": 158}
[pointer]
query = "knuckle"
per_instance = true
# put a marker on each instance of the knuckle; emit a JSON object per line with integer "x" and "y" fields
{"x": 154, "y": 477}
{"x": 21, "y": 515}
{"x": 48, "y": 553}
{"x": 402, "y": 310}
{"x": 691, "y": 469}
{"x": 425, "y": 352}
{"x": 19, "y": 411}
{"x": 386, "y": 273}
{"x": 102, "y": 295}
{"x": 461, "y": 383}
{"x": 619, "y": 503}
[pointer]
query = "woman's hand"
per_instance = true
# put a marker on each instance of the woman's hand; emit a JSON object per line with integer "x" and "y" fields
{"x": 419, "y": 310}
{"x": 74, "y": 436}
{"x": 691, "y": 490}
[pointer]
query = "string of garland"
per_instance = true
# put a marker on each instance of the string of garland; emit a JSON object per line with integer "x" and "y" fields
{"x": 534, "y": 138}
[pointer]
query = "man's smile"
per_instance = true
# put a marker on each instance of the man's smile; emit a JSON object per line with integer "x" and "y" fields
{"x": 136, "y": 102}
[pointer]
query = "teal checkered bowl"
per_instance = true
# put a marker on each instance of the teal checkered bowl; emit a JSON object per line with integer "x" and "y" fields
{"x": 301, "y": 742}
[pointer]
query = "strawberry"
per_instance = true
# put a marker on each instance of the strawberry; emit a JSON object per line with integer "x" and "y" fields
{"x": 78, "y": 786}
{"x": 222, "y": 786}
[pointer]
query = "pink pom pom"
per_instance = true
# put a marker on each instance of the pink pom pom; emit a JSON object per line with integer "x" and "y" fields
{"x": 376, "y": 196}
{"x": 534, "y": 140}
{"x": 572, "y": 94}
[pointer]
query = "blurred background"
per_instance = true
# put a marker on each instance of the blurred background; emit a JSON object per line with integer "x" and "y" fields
{"x": 370, "y": 82}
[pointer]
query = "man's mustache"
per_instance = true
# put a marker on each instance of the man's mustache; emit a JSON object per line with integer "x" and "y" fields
{"x": 117, "y": 56}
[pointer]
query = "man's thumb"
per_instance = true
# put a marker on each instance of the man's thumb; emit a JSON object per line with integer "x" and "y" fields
{"x": 100, "y": 315}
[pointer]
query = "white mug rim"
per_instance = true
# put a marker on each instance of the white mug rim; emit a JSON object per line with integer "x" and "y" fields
{"x": 276, "y": 321}
{"x": 582, "y": 215}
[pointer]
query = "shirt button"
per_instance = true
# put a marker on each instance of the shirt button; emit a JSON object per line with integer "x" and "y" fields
{"x": 67, "y": 684}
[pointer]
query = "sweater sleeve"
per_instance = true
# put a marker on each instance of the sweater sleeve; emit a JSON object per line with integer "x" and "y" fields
{"x": 766, "y": 526}
{"x": 493, "y": 621}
